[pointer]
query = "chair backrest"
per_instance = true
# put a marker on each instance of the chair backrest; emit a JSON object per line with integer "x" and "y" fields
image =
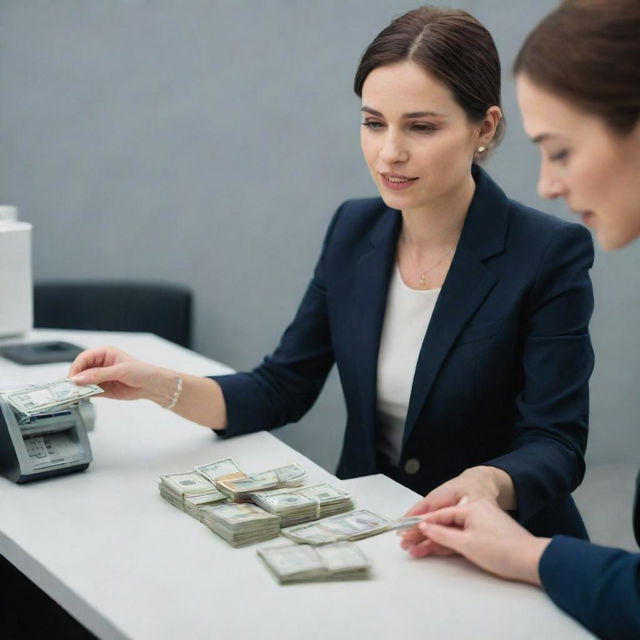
{"x": 113, "y": 305}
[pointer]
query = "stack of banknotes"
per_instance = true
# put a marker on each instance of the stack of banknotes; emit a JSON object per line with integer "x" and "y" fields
{"x": 226, "y": 468}
{"x": 238, "y": 486}
{"x": 303, "y": 563}
{"x": 49, "y": 398}
{"x": 241, "y": 524}
{"x": 303, "y": 504}
{"x": 189, "y": 491}
{"x": 354, "y": 525}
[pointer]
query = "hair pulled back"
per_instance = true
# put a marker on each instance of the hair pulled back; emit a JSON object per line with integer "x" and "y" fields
{"x": 588, "y": 52}
{"x": 450, "y": 44}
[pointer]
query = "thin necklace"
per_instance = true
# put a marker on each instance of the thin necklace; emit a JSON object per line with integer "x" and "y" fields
{"x": 422, "y": 273}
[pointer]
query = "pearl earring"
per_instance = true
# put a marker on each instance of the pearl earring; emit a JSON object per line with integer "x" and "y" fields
{"x": 481, "y": 149}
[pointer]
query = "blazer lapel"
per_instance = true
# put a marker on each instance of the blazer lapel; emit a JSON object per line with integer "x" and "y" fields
{"x": 467, "y": 285}
{"x": 372, "y": 284}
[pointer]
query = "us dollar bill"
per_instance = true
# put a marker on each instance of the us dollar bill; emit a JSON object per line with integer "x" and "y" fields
{"x": 406, "y": 522}
{"x": 189, "y": 491}
{"x": 241, "y": 524}
{"x": 304, "y": 563}
{"x": 219, "y": 469}
{"x": 353, "y": 525}
{"x": 238, "y": 486}
{"x": 302, "y": 504}
{"x": 48, "y": 397}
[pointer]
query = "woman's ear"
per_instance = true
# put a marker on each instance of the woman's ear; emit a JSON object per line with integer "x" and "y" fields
{"x": 488, "y": 126}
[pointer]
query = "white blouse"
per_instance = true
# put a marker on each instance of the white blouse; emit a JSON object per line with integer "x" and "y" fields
{"x": 406, "y": 320}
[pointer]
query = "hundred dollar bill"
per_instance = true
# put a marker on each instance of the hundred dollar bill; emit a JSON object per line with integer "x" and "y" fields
{"x": 241, "y": 524}
{"x": 189, "y": 492}
{"x": 303, "y": 563}
{"x": 406, "y": 522}
{"x": 219, "y": 469}
{"x": 188, "y": 483}
{"x": 237, "y": 487}
{"x": 301, "y": 504}
{"x": 44, "y": 398}
{"x": 353, "y": 525}
{"x": 291, "y": 475}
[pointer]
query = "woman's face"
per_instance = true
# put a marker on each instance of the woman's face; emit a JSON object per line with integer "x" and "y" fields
{"x": 417, "y": 141}
{"x": 596, "y": 170}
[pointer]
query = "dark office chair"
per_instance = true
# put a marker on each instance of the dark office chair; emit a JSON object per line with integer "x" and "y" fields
{"x": 115, "y": 305}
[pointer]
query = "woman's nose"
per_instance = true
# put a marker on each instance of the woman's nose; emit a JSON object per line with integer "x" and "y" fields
{"x": 392, "y": 150}
{"x": 550, "y": 185}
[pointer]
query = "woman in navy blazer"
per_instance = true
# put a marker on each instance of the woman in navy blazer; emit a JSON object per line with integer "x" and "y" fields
{"x": 502, "y": 373}
{"x": 578, "y": 77}
{"x": 498, "y": 406}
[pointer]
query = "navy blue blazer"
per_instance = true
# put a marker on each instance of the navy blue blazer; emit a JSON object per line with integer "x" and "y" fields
{"x": 502, "y": 374}
{"x": 599, "y": 586}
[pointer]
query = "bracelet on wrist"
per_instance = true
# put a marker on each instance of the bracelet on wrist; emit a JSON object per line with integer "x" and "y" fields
{"x": 176, "y": 395}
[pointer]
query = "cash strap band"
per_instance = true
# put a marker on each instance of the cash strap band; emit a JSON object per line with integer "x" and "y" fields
{"x": 176, "y": 394}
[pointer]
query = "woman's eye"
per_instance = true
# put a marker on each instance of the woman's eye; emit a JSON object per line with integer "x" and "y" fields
{"x": 372, "y": 124}
{"x": 423, "y": 127}
{"x": 559, "y": 156}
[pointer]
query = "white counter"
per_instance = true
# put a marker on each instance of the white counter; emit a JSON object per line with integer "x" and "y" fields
{"x": 127, "y": 564}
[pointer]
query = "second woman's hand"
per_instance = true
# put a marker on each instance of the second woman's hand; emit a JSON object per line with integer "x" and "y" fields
{"x": 477, "y": 483}
{"x": 489, "y": 537}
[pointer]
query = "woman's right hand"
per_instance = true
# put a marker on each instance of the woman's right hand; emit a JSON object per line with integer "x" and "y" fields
{"x": 120, "y": 375}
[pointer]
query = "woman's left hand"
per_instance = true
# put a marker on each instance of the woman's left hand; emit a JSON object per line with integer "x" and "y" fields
{"x": 487, "y": 536}
{"x": 477, "y": 483}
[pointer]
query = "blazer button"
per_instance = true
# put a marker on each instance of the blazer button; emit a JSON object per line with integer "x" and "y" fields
{"x": 412, "y": 465}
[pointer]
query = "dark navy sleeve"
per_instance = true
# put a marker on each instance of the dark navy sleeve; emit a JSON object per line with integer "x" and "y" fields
{"x": 287, "y": 383}
{"x": 546, "y": 458}
{"x": 599, "y": 586}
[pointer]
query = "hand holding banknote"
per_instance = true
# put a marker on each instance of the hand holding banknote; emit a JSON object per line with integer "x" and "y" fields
{"x": 120, "y": 375}
{"x": 123, "y": 377}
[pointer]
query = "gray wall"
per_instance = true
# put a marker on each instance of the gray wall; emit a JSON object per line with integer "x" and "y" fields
{"x": 209, "y": 142}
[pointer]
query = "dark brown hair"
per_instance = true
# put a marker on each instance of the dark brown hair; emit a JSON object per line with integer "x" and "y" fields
{"x": 450, "y": 44}
{"x": 588, "y": 52}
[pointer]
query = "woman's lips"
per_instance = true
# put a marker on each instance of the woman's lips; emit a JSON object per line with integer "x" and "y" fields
{"x": 397, "y": 182}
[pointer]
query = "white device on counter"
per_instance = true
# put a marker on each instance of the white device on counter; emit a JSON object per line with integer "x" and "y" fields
{"x": 16, "y": 285}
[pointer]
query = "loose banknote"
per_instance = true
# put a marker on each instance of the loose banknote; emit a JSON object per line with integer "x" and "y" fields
{"x": 353, "y": 525}
{"x": 303, "y": 563}
{"x": 47, "y": 398}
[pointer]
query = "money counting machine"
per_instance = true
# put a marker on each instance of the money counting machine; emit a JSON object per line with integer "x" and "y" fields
{"x": 47, "y": 444}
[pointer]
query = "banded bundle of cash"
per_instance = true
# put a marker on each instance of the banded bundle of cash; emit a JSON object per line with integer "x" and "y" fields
{"x": 51, "y": 397}
{"x": 189, "y": 491}
{"x": 304, "y": 503}
{"x": 347, "y": 526}
{"x": 225, "y": 468}
{"x": 238, "y": 487}
{"x": 241, "y": 524}
{"x": 303, "y": 563}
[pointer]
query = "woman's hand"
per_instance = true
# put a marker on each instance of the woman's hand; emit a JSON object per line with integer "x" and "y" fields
{"x": 476, "y": 483}
{"x": 488, "y": 537}
{"x": 120, "y": 375}
{"x": 124, "y": 378}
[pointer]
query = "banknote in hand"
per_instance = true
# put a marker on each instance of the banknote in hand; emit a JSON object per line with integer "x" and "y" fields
{"x": 49, "y": 397}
